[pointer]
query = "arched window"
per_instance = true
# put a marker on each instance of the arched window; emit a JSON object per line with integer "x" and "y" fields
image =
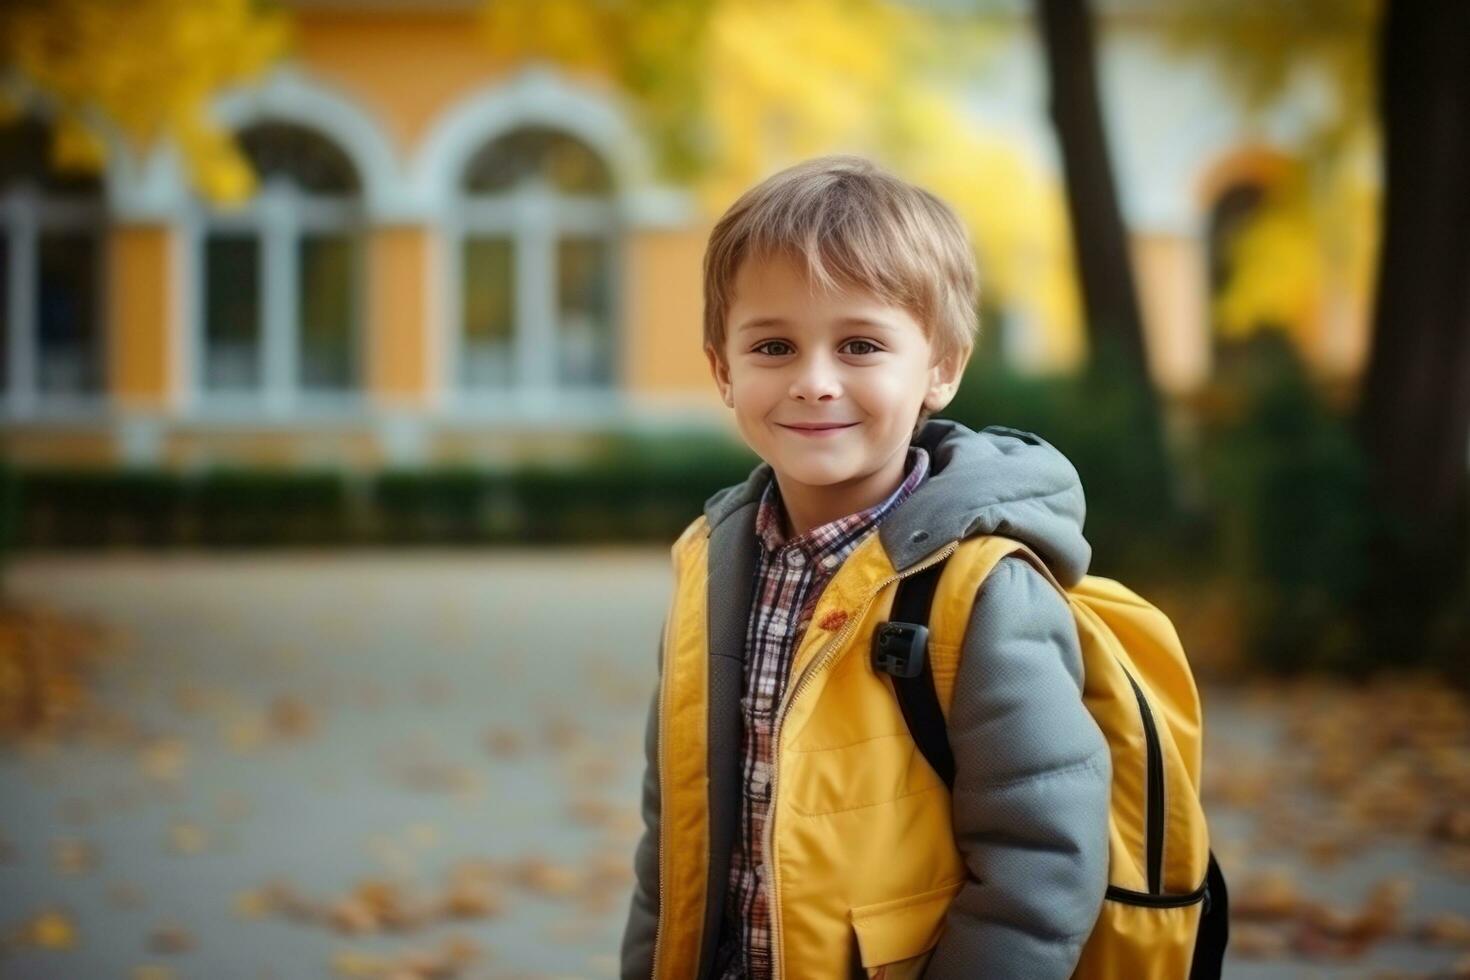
{"x": 52, "y": 346}
{"x": 535, "y": 247}
{"x": 282, "y": 276}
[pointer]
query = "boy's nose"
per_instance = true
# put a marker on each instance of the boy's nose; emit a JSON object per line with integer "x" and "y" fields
{"x": 816, "y": 379}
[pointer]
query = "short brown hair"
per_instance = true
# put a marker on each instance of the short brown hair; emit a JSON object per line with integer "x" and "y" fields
{"x": 851, "y": 222}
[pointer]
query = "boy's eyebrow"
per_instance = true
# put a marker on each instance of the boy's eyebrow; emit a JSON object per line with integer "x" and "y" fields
{"x": 847, "y": 321}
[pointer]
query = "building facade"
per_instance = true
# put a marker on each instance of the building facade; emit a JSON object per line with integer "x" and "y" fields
{"x": 449, "y": 262}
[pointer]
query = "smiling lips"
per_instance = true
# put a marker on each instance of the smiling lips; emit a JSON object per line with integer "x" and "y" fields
{"x": 819, "y": 428}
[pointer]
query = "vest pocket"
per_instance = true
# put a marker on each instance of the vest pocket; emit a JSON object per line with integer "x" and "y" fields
{"x": 896, "y": 938}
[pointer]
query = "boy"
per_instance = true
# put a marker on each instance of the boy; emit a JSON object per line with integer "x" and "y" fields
{"x": 793, "y": 830}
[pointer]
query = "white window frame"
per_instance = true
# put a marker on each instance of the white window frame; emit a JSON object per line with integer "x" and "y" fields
{"x": 26, "y": 213}
{"x": 533, "y": 217}
{"x": 279, "y": 215}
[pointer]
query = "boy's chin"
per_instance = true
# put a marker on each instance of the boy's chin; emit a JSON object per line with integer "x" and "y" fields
{"x": 806, "y": 474}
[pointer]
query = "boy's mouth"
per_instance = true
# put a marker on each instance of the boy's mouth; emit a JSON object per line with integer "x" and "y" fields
{"x": 818, "y": 429}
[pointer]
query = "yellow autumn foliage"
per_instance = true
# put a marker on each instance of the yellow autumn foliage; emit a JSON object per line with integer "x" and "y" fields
{"x": 1017, "y": 216}
{"x": 1310, "y": 239}
{"x": 1277, "y": 271}
{"x": 147, "y": 67}
{"x": 648, "y": 49}
{"x": 744, "y": 87}
{"x": 1314, "y": 239}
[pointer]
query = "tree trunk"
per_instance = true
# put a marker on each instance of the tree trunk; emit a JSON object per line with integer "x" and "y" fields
{"x": 1099, "y": 239}
{"x": 1414, "y": 412}
{"x": 1118, "y": 361}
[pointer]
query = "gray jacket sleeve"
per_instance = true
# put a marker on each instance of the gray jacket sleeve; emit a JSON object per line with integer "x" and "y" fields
{"x": 638, "y": 934}
{"x": 1032, "y": 789}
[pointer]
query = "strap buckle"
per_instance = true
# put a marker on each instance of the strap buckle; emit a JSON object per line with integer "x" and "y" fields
{"x": 898, "y": 648}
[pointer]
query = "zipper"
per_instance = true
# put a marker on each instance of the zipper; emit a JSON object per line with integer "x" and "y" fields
{"x": 773, "y": 897}
{"x": 1154, "y": 826}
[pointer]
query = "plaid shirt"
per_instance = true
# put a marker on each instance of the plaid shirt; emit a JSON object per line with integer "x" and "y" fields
{"x": 790, "y": 577}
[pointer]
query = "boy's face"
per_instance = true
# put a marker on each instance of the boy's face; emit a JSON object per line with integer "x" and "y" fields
{"x": 796, "y": 355}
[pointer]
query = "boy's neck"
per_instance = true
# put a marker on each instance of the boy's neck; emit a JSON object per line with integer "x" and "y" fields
{"x": 805, "y": 507}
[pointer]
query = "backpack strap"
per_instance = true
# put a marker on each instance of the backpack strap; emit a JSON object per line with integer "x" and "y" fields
{"x": 913, "y": 679}
{"x": 900, "y": 649}
{"x": 1214, "y": 927}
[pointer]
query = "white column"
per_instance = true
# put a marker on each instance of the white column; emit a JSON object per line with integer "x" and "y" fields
{"x": 278, "y": 290}
{"x": 535, "y": 279}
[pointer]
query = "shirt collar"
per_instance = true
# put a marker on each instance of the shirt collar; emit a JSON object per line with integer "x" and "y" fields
{"x": 843, "y": 530}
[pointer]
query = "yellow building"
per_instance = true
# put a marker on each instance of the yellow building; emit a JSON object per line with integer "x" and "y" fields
{"x": 445, "y": 262}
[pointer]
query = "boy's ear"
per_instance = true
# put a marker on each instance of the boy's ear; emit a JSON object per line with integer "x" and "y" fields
{"x": 720, "y": 371}
{"x": 944, "y": 379}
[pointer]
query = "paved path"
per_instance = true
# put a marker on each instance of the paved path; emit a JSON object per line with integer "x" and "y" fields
{"x": 317, "y": 720}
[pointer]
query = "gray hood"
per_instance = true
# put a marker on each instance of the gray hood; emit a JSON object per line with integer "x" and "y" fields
{"x": 996, "y": 481}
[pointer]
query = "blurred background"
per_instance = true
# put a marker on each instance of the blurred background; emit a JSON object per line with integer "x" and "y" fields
{"x": 351, "y": 396}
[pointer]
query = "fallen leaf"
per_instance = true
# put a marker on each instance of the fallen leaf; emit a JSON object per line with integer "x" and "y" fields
{"x": 252, "y": 903}
{"x": 187, "y": 838}
{"x": 73, "y": 856}
{"x": 170, "y": 937}
{"x": 1445, "y": 929}
{"x": 49, "y": 929}
{"x": 124, "y": 895}
{"x": 163, "y": 759}
{"x": 292, "y": 718}
{"x": 152, "y": 972}
{"x": 504, "y": 743}
{"x": 1266, "y": 895}
{"x": 544, "y": 877}
{"x": 1256, "y": 942}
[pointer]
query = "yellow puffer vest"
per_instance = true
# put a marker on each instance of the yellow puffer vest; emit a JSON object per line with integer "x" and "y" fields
{"x": 861, "y": 858}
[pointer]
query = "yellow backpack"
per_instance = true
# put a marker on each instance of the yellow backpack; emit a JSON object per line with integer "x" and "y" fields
{"x": 1165, "y": 914}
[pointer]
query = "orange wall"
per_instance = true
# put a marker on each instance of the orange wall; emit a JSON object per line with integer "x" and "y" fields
{"x": 406, "y": 66}
{"x": 1170, "y": 270}
{"x": 664, "y": 312}
{"x": 141, "y": 330}
{"x": 399, "y": 342}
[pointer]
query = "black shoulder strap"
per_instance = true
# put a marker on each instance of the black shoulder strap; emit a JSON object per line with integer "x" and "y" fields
{"x": 916, "y": 696}
{"x": 1214, "y": 927}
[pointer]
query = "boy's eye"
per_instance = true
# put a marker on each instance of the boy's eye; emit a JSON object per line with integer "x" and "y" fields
{"x": 761, "y": 347}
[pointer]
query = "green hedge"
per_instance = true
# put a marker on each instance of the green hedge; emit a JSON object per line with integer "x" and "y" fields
{"x": 1288, "y": 497}
{"x": 633, "y": 489}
